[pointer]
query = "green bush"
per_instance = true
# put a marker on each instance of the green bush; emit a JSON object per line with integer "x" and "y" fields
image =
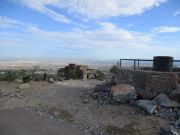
{"x": 26, "y": 78}
{"x": 114, "y": 70}
{"x": 100, "y": 75}
{"x": 22, "y": 72}
{"x": 10, "y": 76}
{"x": 33, "y": 75}
{"x": 37, "y": 77}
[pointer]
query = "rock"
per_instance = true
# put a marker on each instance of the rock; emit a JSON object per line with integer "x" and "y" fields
{"x": 146, "y": 93}
{"x": 166, "y": 113}
{"x": 178, "y": 113}
{"x": 175, "y": 95}
{"x": 105, "y": 87}
{"x": 51, "y": 80}
{"x": 177, "y": 124}
{"x": 24, "y": 86}
{"x": 147, "y": 105}
{"x": 164, "y": 101}
{"x": 123, "y": 93}
{"x": 85, "y": 101}
{"x": 19, "y": 81}
{"x": 169, "y": 131}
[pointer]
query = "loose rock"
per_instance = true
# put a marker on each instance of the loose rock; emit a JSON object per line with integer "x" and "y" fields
{"x": 123, "y": 93}
{"x": 147, "y": 105}
{"x": 177, "y": 124}
{"x": 105, "y": 87}
{"x": 85, "y": 101}
{"x": 175, "y": 95}
{"x": 19, "y": 81}
{"x": 24, "y": 86}
{"x": 51, "y": 80}
{"x": 169, "y": 131}
{"x": 164, "y": 101}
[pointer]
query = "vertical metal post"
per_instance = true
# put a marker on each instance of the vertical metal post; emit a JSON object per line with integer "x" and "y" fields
{"x": 138, "y": 63}
{"x": 134, "y": 64}
{"x": 120, "y": 63}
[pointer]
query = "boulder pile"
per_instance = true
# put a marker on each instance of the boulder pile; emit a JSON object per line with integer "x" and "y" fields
{"x": 162, "y": 105}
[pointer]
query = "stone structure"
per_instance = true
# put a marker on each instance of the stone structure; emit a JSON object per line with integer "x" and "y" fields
{"x": 148, "y": 84}
{"x": 151, "y": 81}
{"x": 76, "y": 72}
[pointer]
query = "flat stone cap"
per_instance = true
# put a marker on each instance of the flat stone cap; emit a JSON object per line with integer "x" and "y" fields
{"x": 122, "y": 88}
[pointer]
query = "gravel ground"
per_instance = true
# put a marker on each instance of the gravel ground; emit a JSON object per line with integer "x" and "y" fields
{"x": 69, "y": 103}
{"x": 22, "y": 122}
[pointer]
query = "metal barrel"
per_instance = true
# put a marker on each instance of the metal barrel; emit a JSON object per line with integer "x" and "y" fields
{"x": 163, "y": 63}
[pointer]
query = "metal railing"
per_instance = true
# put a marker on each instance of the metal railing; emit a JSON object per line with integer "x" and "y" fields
{"x": 138, "y": 63}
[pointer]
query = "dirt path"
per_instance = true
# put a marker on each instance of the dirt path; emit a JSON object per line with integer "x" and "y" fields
{"x": 65, "y": 101}
{"x": 21, "y": 122}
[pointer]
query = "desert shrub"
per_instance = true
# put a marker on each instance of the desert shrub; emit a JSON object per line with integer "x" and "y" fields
{"x": 2, "y": 75}
{"x": 100, "y": 75}
{"x": 1, "y": 78}
{"x": 37, "y": 77}
{"x": 114, "y": 70}
{"x": 54, "y": 76}
{"x": 22, "y": 72}
{"x": 33, "y": 75}
{"x": 25, "y": 75}
{"x": 10, "y": 75}
{"x": 26, "y": 78}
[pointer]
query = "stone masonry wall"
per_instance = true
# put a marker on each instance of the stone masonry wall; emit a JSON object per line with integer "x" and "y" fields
{"x": 149, "y": 83}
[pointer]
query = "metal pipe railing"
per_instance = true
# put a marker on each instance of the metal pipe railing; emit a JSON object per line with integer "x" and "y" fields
{"x": 137, "y": 62}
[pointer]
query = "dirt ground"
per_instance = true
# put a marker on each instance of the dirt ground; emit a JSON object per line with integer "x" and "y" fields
{"x": 63, "y": 102}
{"x": 22, "y": 122}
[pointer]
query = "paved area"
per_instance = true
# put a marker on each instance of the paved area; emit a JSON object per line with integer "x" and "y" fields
{"x": 21, "y": 122}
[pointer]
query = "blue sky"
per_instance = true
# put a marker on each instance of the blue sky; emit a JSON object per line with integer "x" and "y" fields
{"x": 89, "y": 29}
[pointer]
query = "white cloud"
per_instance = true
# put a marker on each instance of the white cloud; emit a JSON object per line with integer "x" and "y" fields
{"x": 176, "y": 13}
{"x": 92, "y": 9}
{"x": 130, "y": 25}
{"x": 108, "y": 37}
{"x": 41, "y": 6}
{"x": 166, "y": 29}
{"x": 7, "y": 22}
{"x": 98, "y": 9}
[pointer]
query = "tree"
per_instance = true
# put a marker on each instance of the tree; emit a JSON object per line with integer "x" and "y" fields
{"x": 114, "y": 70}
{"x": 100, "y": 75}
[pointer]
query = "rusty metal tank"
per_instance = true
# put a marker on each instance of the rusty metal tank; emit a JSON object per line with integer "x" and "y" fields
{"x": 163, "y": 63}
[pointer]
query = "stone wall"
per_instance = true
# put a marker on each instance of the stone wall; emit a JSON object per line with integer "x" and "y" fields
{"x": 149, "y": 83}
{"x": 78, "y": 71}
{"x": 178, "y": 74}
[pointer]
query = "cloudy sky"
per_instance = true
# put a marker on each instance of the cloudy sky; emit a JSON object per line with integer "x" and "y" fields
{"x": 89, "y": 29}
